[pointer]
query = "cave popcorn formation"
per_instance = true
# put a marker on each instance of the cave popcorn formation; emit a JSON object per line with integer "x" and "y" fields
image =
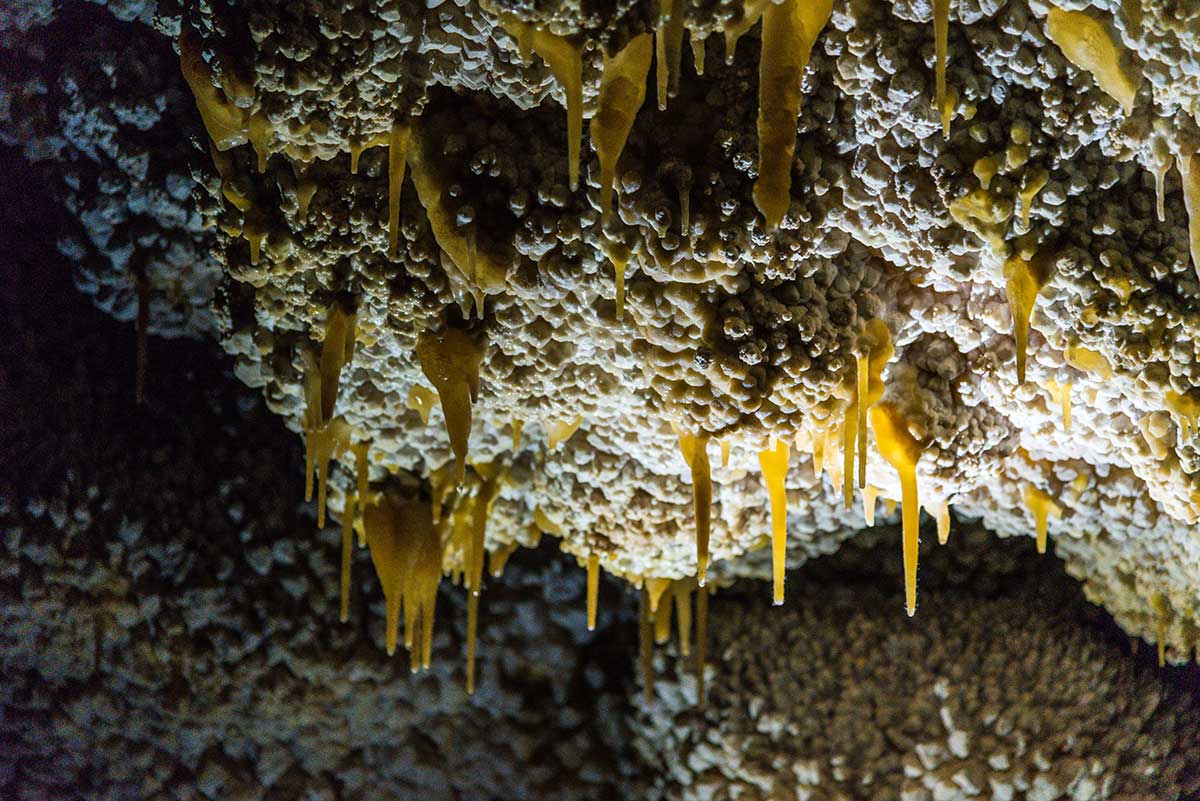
{"x": 777, "y": 254}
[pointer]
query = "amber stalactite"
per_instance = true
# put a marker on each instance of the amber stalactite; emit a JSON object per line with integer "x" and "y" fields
{"x": 902, "y": 450}
{"x": 774, "y": 464}
{"x": 407, "y": 553}
{"x": 622, "y": 92}
{"x": 450, "y": 360}
{"x": 695, "y": 454}
{"x": 789, "y": 32}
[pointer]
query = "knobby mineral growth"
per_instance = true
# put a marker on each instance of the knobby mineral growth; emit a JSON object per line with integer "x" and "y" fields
{"x": 976, "y": 185}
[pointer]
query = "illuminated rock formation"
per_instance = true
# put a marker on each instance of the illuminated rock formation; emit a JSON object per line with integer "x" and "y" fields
{"x": 1008, "y": 190}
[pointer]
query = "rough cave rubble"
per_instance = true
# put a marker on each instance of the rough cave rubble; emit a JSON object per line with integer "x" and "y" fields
{"x": 962, "y": 281}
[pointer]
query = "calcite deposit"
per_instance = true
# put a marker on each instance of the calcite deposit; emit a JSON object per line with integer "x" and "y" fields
{"x": 668, "y": 282}
{"x": 1007, "y": 218}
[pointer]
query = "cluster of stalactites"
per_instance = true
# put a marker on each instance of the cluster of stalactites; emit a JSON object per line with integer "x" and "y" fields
{"x": 863, "y": 388}
{"x": 658, "y": 598}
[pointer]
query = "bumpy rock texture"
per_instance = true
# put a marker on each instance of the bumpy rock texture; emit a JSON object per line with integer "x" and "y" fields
{"x": 168, "y": 612}
{"x": 728, "y": 328}
{"x": 997, "y": 691}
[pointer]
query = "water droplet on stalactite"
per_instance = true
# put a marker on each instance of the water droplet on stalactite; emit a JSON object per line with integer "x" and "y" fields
{"x": 622, "y": 92}
{"x": 774, "y": 464}
{"x": 752, "y": 11}
{"x": 498, "y": 558}
{"x": 789, "y": 32}
{"x": 695, "y": 454}
{"x": 450, "y": 361}
{"x": 902, "y": 451}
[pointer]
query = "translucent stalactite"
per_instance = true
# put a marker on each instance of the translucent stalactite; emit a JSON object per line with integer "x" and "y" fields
{"x": 358, "y": 144}
{"x": 224, "y": 121}
{"x": 565, "y": 60}
{"x": 941, "y": 35}
{"x": 668, "y": 49}
{"x": 752, "y": 12}
{"x": 336, "y": 351}
{"x": 1023, "y": 281}
{"x": 696, "y": 40}
{"x": 618, "y": 254}
{"x": 481, "y": 509}
{"x": 450, "y": 361}
{"x": 421, "y": 400}
{"x": 1034, "y": 182}
{"x": 774, "y": 464}
{"x": 593, "y": 588}
{"x": 498, "y": 558}
{"x": 407, "y": 553}
{"x": 848, "y": 434}
{"x": 1089, "y": 45}
{"x": 622, "y": 92}
{"x": 517, "y": 424}
{"x": 476, "y": 271}
{"x": 1042, "y": 507}
{"x": 869, "y": 496}
{"x": 1189, "y": 169}
{"x": 1161, "y": 616}
{"x": 347, "y": 547}
{"x": 941, "y": 513}
{"x": 701, "y": 642}
{"x": 902, "y": 451}
{"x": 362, "y": 474}
{"x": 789, "y": 32}
{"x": 260, "y": 133}
{"x": 876, "y": 350}
{"x": 559, "y": 431}
{"x": 695, "y": 454}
